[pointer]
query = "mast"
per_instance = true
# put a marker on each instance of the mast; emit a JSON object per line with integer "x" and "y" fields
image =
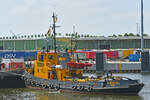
{"x": 54, "y": 32}
{"x": 142, "y": 27}
{"x": 72, "y": 37}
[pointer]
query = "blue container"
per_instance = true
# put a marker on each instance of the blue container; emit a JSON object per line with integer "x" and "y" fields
{"x": 134, "y": 57}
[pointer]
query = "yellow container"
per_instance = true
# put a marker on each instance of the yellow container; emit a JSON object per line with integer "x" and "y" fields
{"x": 139, "y": 59}
{"x": 126, "y": 53}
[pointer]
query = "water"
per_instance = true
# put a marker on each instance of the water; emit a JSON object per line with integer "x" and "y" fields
{"x": 29, "y": 94}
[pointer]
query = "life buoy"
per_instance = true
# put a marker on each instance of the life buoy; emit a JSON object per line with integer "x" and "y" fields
{"x": 43, "y": 86}
{"x": 81, "y": 88}
{"x": 57, "y": 87}
{"x": 27, "y": 83}
{"x": 32, "y": 83}
{"x": 74, "y": 87}
{"x": 89, "y": 89}
{"x": 51, "y": 86}
{"x": 36, "y": 84}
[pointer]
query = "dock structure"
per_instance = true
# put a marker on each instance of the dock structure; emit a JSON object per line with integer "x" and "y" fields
{"x": 119, "y": 66}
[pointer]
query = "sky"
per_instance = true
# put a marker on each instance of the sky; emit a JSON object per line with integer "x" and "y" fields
{"x": 94, "y": 17}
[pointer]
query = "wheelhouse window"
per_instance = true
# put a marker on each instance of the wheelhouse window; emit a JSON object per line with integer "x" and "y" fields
{"x": 41, "y": 57}
{"x": 50, "y": 57}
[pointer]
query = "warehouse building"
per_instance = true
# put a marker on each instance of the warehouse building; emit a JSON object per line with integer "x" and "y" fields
{"x": 30, "y": 44}
{"x": 112, "y": 43}
{"x": 39, "y": 43}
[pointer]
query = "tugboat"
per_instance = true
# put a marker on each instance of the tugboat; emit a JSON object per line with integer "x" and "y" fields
{"x": 49, "y": 73}
{"x": 59, "y": 72}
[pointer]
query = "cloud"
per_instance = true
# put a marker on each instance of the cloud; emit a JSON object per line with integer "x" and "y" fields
{"x": 89, "y": 16}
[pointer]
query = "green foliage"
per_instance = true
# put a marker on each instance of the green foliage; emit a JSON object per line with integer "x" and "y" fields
{"x": 126, "y": 34}
{"x": 120, "y": 35}
{"x": 145, "y": 34}
{"x": 138, "y": 35}
{"x": 78, "y": 36}
{"x": 82, "y": 35}
{"x": 131, "y": 34}
{"x": 59, "y": 34}
{"x": 42, "y": 35}
{"x": 66, "y": 34}
{"x": 114, "y": 35}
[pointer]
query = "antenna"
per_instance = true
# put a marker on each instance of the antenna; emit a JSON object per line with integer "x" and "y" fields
{"x": 72, "y": 37}
{"x": 54, "y": 22}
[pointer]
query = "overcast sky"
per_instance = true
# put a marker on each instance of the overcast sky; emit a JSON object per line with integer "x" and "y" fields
{"x": 101, "y": 17}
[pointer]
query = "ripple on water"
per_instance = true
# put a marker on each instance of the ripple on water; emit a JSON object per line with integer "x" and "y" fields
{"x": 28, "y": 94}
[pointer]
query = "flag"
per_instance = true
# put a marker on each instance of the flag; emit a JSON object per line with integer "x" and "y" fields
{"x": 49, "y": 31}
{"x": 55, "y": 19}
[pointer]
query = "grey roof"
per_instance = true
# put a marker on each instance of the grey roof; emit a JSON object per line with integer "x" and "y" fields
{"x": 113, "y": 38}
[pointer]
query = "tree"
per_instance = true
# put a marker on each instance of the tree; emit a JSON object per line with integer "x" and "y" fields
{"x": 42, "y": 35}
{"x": 126, "y": 34}
{"x": 145, "y": 34}
{"x": 66, "y": 34}
{"x": 130, "y": 34}
{"x": 78, "y": 35}
{"x": 87, "y": 35}
{"x": 59, "y": 34}
{"x": 114, "y": 35}
{"x": 138, "y": 35}
{"x": 49, "y": 35}
{"x": 82, "y": 35}
{"x": 120, "y": 35}
{"x": 46, "y": 35}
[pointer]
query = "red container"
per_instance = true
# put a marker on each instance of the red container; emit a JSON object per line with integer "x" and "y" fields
{"x": 16, "y": 65}
{"x": 90, "y": 55}
{"x": 111, "y": 54}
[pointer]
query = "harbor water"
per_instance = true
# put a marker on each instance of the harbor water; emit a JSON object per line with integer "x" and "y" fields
{"x": 29, "y": 94}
